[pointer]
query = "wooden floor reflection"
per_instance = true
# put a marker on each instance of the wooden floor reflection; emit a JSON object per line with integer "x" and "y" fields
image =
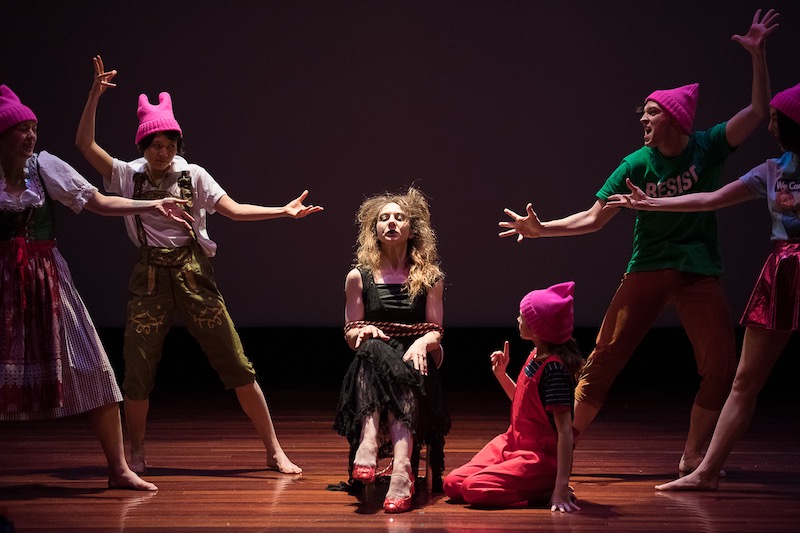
{"x": 208, "y": 464}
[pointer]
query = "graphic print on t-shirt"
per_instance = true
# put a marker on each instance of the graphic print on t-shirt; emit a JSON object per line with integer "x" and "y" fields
{"x": 787, "y": 203}
{"x": 673, "y": 186}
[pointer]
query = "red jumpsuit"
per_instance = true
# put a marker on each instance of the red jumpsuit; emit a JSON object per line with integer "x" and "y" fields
{"x": 517, "y": 466}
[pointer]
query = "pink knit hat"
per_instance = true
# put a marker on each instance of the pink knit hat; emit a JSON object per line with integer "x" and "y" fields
{"x": 680, "y": 103}
{"x": 12, "y": 112}
{"x": 549, "y": 313}
{"x": 155, "y": 118}
{"x": 788, "y": 102}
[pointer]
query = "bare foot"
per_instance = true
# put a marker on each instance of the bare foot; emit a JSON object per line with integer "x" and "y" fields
{"x": 137, "y": 462}
{"x": 129, "y": 480}
{"x": 282, "y": 464}
{"x": 693, "y": 481}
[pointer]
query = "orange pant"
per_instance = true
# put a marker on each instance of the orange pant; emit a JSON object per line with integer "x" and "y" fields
{"x": 703, "y": 310}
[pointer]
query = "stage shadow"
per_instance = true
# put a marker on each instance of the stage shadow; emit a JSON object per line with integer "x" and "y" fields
{"x": 35, "y": 491}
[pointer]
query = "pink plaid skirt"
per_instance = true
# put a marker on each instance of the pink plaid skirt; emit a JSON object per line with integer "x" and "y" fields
{"x": 52, "y": 363}
{"x": 775, "y": 301}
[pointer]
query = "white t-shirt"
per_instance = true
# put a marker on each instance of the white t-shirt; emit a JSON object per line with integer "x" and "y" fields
{"x": 163, "y": 232}
{"x": 778, "y": 180}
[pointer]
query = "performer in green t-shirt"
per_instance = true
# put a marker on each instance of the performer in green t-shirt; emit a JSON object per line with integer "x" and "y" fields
{"x": 675, "y": 256}
{"x": 772, "y": 313}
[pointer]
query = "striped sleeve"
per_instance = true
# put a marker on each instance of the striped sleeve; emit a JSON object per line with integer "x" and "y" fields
{"x": 557, "y": 387}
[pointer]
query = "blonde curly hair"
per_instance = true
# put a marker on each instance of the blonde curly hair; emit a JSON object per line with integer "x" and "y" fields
{"x": 423, "y": 268}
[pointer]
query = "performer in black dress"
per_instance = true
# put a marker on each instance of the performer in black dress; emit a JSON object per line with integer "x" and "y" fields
{"x": 391, "y": 396}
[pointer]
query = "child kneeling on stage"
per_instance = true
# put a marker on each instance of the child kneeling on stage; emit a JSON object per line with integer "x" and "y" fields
{"x": 531, "y": 461}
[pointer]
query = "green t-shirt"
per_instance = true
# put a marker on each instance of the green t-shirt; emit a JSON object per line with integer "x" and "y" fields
{"x": 683, "y": 241}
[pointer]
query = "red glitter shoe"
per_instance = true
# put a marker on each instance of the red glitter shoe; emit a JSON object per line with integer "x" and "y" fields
{"x": 365, "y": 474}
{"x": 399, "y": 505}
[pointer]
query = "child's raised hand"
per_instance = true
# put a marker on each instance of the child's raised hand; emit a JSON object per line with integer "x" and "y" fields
{"x": 500, "y": 360}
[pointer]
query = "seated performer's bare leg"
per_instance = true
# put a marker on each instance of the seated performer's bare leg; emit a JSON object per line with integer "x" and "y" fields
{"x": 402, "y": 475}
{"x": 367, "y": 452}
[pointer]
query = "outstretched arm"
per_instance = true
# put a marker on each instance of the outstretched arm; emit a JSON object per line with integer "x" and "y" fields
{"x": 580, "y": 223}
{"x": 733, "y": 193}
{"x": 245, "y": 212}
{"x": 754, "y": 41}
{"x": 118, "y": 206}
{"x": 84, "y": 138}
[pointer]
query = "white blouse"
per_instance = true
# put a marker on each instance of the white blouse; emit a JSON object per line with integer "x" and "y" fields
{"x": 63, "y": 183}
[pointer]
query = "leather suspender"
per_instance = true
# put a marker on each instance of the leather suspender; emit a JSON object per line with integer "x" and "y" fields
{"x": 186, "y": 193}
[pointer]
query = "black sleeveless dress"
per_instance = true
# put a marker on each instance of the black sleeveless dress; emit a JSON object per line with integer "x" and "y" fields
{"x": 379, "y": 380}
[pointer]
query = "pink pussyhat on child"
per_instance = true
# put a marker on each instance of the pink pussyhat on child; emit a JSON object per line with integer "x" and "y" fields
{"x": 155, "y": 118}
{"x": 680, "y": 103}
{"x": 549, "y": 313}
{"x": 12, "y": 111}
{"x": 788, "y": 102}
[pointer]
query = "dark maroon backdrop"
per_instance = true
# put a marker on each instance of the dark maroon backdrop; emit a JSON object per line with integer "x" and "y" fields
{"x": 482, "y": 104}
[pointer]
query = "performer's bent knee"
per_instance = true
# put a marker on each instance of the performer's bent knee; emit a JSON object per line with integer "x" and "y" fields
{"x": 236, "y": 373}
{"x": 135, "y": 390}
{"x": 491, "y": 497}
{"x": 452, "y": 488}
{"x": 241, "y": 381}
{"x": 590, "y": 395}
{"x": 588, "y": 401}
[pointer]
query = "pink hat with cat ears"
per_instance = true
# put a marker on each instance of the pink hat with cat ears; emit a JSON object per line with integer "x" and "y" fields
{"x": 549, "y": 313}
{"x": 155, "y": 118}
{"x": 788, "y": 102}
{"x": 680, "y": 103}
{"x": 12, "y": 111}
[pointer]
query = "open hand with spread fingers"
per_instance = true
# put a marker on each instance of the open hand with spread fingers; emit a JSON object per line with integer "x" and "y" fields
{"x": 522, "y": 226}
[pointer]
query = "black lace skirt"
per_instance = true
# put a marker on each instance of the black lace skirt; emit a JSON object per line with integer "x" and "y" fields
{"x": 379, "y": 380}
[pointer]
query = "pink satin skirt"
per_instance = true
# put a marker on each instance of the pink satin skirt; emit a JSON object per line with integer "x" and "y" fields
{"x": 775, "y": 301}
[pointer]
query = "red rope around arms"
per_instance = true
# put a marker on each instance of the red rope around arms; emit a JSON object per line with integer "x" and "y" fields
{"x": 397, "y": 329}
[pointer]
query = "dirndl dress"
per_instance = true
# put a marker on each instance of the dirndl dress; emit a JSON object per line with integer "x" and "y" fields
{"x": 52, "y": 363}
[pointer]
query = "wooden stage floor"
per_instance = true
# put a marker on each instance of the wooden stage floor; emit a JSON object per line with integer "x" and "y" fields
{"x": 207, "y": 462}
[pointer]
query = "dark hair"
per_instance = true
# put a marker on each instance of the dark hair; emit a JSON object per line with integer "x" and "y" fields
{"x": 788, "y": 133}
{"x": 569, "y": 353}
{"x": 172, "y": 135}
